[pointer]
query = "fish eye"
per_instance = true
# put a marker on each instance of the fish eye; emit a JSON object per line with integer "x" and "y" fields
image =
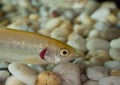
{"x": 64, "y": 52}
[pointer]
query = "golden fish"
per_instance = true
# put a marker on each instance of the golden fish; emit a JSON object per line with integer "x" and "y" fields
{"x": 28, "y": 47}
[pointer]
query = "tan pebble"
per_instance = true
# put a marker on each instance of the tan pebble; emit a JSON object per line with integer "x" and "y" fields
{"x": 114, "y": 54}
{"x": 109, "y": 5}
{"x": 53, "y": 23}
{"x": 45, "y": 32}
{"x": 115, "y": 43}
{"x": 77, "y": 41}
{"x": 48, "y": 78}
{"x": 112, "y": 19}
{"x": 83, "y": 30}
{"x": 91, "y": 6}
{"x": 110, "y": 34}
{"x": 85, "y": 19}
{"x": 115, "y": 73}
{"x": 61, "y": 33}
{"x": 90, "y": 82}
{"x": 97, "y": 44}
{"x": 34, "y": 16}
{"x": 98, "y": 57}
{"x": 13, "y": 81}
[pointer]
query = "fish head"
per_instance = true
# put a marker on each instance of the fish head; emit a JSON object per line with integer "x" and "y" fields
{"x": 58, "y": 54}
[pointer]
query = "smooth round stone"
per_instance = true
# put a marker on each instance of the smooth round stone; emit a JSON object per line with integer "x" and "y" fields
{"x": 114, "y": 54}
{"x": 90, "y": 82}
{"x": 3, "y": 64}
{"x": 48, "y": 78}
{"x": 37, "y": 68}
{"x": 115, "y": 43}
{"x": 115, "y": 73}
{"x": 110, "y": 5}
{"x": 96, "y": 72}
{"x": 23, "y": 72}
{"x": 61, "y": 33}
{"x": 100, "y": 14}
{"x": 101, "y": 25}
{"x": 13, "y": 81}
{"x": 91, "y": 6}
{"x": 53, "y": 23}
{"x": 70, "y": 74}
{"x": 94, "y": 33}
{"x": 77, "y": 41}
{"x": 110, "y": 80}
{"x": 83, "y": 78}
{"x": 97, "y": 44}
{"x": 85, "y": 19}
{"x": 4, "y": 75}
{"x": 112, "y": 65}
{"x": 110, "y": 34}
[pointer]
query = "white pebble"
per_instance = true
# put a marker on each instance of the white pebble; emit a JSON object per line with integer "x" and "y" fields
{"x": 100, "y": 14}
{"x": 13, "y": 81}
{"x": 114, "y": 54}
{"x": 4, "y": 75}
{"x": 53, "y": 23}
{"x": 96, "y": 72}
{"x": 90, "y": 82}
{"x": 112, "y": 65}
{"x": 110, "y": 80}
{"x": 77, "y": 41}
{"x": 97, "y": 44}
{"x": 23, "y": 72}
{"x": 115, "y": 43}
{"x": 69, "y": 72}
{"x": 37, "y": 68}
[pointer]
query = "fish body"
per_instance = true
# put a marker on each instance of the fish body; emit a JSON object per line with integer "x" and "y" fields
{"x": 28, "y": 47}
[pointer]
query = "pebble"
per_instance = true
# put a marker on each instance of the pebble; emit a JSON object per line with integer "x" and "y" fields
{"x": 115, "y": 73}
{"x": 53, "y": 23}
{"x": 101, "y": 44}
{"x": 110, "y": 5}
{"x": 13, "y": 81}
{"x": 101, "y": 25}
{"x": 85, "y": 19}
{"x": 4, "y": 75}
{"x": 81, "y": 29}
{"x": 115, "y": 43}
{"x": 48, "y": 78}
{"x": 114, "y": 54}
{"x": 70, "y": 75}
{"x": 100, "y": 14}
{"x": 96, "y": 72}
{"x": 94, "y": 33}
{"x": 98, "y": 57}
{"x": 33, "y": 16}
{"x": 110, "y": 80}
{"x": 77, "y": 41}
{"x": 61, "y": 33}
{"x": 91, "y": 6}
{"x": 23, "y": 72}
{"x": 112, "y": 65}
{"x": 91, "y": 82}
{"x": 37, "y": 68}
{"x": 110, "y": 34}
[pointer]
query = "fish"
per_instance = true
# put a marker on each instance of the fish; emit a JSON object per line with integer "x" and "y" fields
{"x": 33, "y": 48}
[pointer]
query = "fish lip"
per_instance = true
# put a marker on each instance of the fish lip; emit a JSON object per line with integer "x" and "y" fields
{"x": 42, "y": 53}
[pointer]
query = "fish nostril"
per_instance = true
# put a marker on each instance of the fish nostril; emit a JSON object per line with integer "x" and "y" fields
{"x": 42, "y": 53}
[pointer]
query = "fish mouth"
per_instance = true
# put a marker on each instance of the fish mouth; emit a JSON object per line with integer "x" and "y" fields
{"x": 43, "y": 53}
